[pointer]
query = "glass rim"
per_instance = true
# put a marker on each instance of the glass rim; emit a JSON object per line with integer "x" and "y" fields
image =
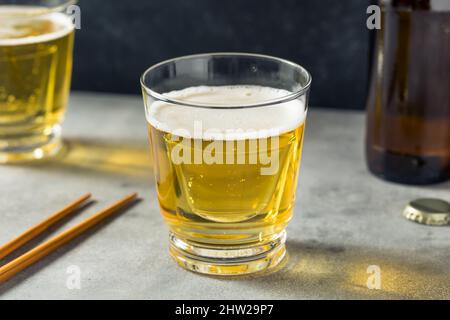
{"x": 40, "y": 9}
{"x": 289, "y": 97}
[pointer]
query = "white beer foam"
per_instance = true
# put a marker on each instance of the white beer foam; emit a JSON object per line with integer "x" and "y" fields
{"x": 227, "y": 124}
{"x": 16, "y": 21}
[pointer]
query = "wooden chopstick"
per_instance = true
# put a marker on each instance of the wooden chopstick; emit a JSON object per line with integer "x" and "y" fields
{"x": 32, "y": 256}
{"x": 41, "y": 227}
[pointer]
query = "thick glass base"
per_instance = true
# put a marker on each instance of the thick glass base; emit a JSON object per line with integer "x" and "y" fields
{"x": 228, "y": 261}
{"x": 26, "y": 148}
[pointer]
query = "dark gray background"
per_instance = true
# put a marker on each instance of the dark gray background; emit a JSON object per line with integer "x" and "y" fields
{"x": 120, "y": 39}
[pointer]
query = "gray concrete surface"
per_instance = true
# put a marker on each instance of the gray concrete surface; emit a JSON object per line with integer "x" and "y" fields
{"x": 345, "y": 220}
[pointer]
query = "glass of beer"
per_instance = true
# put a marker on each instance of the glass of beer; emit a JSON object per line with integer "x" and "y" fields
{"x": 226, "y": 132}
{"x": 36, "y": 42}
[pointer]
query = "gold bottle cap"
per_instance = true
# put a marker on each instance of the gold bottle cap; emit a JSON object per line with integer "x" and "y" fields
{"x": 432, "y": 212}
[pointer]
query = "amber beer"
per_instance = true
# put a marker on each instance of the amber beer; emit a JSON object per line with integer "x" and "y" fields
{"x": 35, "y": 62}
{"x": 231, "y": 184}
{"x": 408, "y": 133}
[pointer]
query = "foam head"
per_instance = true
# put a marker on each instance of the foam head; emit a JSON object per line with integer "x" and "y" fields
{"x": 23, "y": 25}
{"x": 229, "y": 123}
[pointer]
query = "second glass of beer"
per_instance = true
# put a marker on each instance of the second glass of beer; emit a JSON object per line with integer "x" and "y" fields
{"x": 36, "y": 43}
{"x": 226, "y": 131}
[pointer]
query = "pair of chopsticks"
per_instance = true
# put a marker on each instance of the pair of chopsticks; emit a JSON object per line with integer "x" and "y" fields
{"x": 27, "y": 259}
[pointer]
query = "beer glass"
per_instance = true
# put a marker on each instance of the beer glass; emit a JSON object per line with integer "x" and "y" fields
{"x": 36, "y": 42}
{"x": 226, "y": 131}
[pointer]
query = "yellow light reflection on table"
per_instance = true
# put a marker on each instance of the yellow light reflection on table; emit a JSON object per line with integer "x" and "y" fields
{"x": 100, "y": 156}
{"x": 123, "y": 159}
{"x": 344, "y": 270}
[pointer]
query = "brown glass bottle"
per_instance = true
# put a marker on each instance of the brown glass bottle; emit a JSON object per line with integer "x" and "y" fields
{"x": 408, "y": 131}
